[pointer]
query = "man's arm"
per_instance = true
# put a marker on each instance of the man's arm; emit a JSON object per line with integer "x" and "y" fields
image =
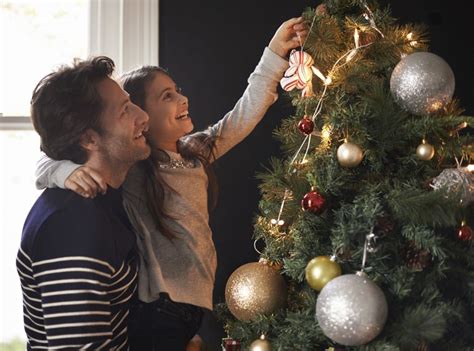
{"x": 74, "y": 301}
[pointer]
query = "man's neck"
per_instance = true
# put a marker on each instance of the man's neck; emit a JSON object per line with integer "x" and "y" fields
{"x": 113, "y": 173}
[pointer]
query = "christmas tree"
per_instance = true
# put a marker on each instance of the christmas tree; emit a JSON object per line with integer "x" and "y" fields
{"x": 364, "y": 223}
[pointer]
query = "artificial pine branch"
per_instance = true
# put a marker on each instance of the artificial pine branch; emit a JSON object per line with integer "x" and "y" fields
{"x": 423, "y": 269}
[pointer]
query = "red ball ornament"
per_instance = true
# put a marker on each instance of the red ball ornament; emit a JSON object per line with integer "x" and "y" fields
{"x": 312, "y": 202}
{"x": 229, "y": 344}
{"x": 366, "y": 38}
{"x": 465, "y": 233}
{"x": 306, "y": 126}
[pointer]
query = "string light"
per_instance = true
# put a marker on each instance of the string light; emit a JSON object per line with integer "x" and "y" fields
{"x": 307, "y": 91}
{"x": 356, "y": 38}
{"x": 318, "y": 73}
{"x": 326, "y": 132}
{"x": 413, "y": 43}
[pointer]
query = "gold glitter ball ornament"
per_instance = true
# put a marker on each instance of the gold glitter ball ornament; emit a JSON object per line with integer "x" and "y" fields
{"x": 349, "y": 154}
{"x": 425, "y": 151}
{"x": 261, "y": 344}
{"x": 255, "y": 288}
{"x": 320, "y": 270}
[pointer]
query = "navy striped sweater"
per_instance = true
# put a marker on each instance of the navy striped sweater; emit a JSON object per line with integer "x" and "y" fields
{"x": 78, "y": 270}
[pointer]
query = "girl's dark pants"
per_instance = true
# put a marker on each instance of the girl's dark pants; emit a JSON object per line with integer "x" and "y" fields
{"x": 162, "y": 325}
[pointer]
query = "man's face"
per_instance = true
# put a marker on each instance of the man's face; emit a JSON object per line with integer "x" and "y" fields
{"x": 123, "y": 124}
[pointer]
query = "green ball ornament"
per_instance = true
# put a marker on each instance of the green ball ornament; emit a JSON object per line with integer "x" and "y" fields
{"x": 261, "y": 344}
{"x": 320, "y": 270}
{"x": 349, "y": 154}
{"x": 425, "y": 151}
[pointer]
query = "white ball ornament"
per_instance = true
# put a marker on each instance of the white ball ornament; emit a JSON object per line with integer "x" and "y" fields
{"x": 349, "y": 154}
{"x": 261, "y": 344}
{"x": 425, "y": 151}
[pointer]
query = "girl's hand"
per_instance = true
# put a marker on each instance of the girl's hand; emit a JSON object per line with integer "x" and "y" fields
{"x": 86, "y": 182}
{"x": 290, "y": 35}
{"x": 195, "y": 344}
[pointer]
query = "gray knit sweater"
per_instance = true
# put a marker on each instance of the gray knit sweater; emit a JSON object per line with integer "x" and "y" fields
{"x": 185, "y": 266}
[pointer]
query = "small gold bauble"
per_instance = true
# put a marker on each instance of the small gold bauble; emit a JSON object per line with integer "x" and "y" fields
{"x": 320, "y": 270}
{"x": 261, "y": 344}
{"x": 349, "y": 154}
{"x": 255, "y": 288}
{"x": 425, "y": 151}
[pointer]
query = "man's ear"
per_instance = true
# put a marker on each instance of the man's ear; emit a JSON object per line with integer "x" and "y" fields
{"x": 90, "y": 140}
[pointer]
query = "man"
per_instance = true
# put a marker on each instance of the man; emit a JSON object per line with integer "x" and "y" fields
{"x": 77, "y": 260}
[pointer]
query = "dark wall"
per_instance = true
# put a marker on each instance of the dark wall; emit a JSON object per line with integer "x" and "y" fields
{"x": 211, "y": 47}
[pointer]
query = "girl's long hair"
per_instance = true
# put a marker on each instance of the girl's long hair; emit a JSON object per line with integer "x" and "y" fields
{"x": 200, "y": 147}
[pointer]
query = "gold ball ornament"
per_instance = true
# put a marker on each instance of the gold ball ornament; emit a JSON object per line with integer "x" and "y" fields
{"x": 255, "y": 288}
{"x": 320, "y": 270}
{"x": 349, "y": 154}
{"x": 261, "y": 344}
{"x": 425, "y": 151}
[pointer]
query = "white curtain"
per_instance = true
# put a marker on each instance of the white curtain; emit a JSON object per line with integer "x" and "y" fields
{"x": 126, "y": 31}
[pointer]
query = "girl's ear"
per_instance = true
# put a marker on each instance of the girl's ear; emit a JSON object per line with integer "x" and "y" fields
{"x": 90, "y": 140}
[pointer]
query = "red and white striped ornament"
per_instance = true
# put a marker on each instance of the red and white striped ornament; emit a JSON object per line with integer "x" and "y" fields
{"x": 299, "y": 74}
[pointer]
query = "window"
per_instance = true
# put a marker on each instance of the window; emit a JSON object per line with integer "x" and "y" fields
{"x": 19, "y": 154}
{"x": 35, "y": 37}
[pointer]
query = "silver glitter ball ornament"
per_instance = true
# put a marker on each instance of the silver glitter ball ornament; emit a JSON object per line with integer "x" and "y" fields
{"x": 422, "y": 83}
{"x": 459, "y": 180}
{"x": 351, "y": 309}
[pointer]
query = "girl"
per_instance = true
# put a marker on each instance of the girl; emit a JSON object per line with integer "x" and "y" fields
{"x": 166, "y": 196}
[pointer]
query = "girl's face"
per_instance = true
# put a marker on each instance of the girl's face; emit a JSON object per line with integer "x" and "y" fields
{"x": 168, "y": 111}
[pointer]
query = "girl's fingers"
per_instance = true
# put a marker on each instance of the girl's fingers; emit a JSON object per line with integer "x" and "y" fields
{"x": 293, "y": 21}
{"x": 302, "y": 34}
{"x": 89, "y": 184}
{"x": 89, "y": 187}
{"x": 98, "y": 180}
{"x": 76, "y": 188}
{"x": 300, "y": 27}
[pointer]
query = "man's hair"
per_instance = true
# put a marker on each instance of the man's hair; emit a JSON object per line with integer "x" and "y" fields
{"x": 66, "y": 103}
